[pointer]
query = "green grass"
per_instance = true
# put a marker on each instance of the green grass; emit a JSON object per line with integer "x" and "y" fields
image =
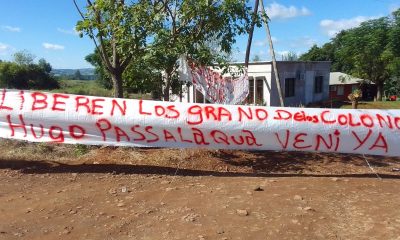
{"x": 375, "y": 105}
{"x": 90, "y": 88}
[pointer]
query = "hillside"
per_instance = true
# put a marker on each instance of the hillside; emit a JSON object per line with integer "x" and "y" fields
{"x": 84, "y": 71}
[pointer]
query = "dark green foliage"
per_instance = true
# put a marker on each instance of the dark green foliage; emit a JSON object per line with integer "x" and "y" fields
{"x": 77, "y": 75}
{"x": 392, "y": 87}
{"x": 136, "y": 42}
{"x": 24, "y": 74}
{"x": 103, "y": 77}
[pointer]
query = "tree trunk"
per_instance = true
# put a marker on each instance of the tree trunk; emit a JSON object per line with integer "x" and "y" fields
{"x": 354, "y": 104}
{"x": 117, "y": 84}
{"x": 250, "y": 40}
{"x": 379, "y": 92}
{"x": 167, "y": 85}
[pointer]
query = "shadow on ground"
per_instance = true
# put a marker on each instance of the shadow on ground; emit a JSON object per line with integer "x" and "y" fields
{"x": 44, "y": 167}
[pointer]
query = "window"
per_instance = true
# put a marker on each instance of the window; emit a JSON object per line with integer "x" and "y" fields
{"x": 250, "y": 97}
{"x": 333, "y": 88}
{"x": 259, "y": 91}
{"x": 340, "y": 90}
{"x": 289, "y": 87}
{"x": 354, "y": 87}
{"x": 318, "y": 84}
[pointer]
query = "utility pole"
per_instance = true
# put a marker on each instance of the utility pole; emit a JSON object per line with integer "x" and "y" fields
{"x": 272, "y": 52}
{"x": 251, "y": 31}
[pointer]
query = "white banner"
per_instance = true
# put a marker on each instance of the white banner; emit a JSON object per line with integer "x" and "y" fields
{"x": 63, "y": 118}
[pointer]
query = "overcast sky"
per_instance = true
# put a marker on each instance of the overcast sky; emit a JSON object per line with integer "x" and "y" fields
{"x": 46, "y": 27}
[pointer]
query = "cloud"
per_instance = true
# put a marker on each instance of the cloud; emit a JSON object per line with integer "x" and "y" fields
{"x": 11, "y": 29}
{"x": 73, "y": 31}
{"x": 4, "y": 48}
{"x": 332, "y": 27}
{"x": 51, "y": 46}
{"x": 278, "y": 11}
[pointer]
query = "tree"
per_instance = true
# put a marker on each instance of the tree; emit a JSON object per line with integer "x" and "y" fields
{"x": 316, "y": 54}
{"x": 363, "y": 54}
{"x": 32, "y": 76}
{"x": 118, "y": 31}
{"x": 290, "y": 56}
{"x": 44, "y": 65}
{"x": 392, "y": 86}
{"x": 256, "y": 58}
{"x": 102, "y": 76}
{"x": 393, "y": 48}
{"x": 203, "y": 30}
{"x": 24, "y": 58}
{"x": 13, "y": 75}
{"x": 78, "y": 75}
{"x": 140, "y": 75}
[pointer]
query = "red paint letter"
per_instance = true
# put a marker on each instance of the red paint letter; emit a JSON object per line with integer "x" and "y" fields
{"x": 148, "y": 130}
{"x": 196, "y": 111}
{"x": 142, "y": 137}
{"x": 76, "y": 131}
{"x": 284, "y": 145}
{"x": 261, "y": 114}
{"x": 57, "y": 102}
{"x": 298, "y": 139}
{"x": 3, "y": 98}
{"x": 282, "y": 115}
{"x": 199, "y": 138}
{"x": 103, "y": 129}
{"x": 34, "y": 133}
{"x": 141, "y": 109}
{"x": 219, "y": 137}
{"x": 12, "y": 126}
{"x": 85, "y": 103}
{"x": 121, "y": 133}
{"x": 95, "y": 106}
{"x": 57, "y": 138}
{"x": 361, "y": 141}
{"x": 248, "y": 115}
{"x": 388, "y": 122}
{"x": 168, "y": 135}
{"x": 42, "y": 102}
{"x": 381, "y": 139}
{"x": 122, "y": 109}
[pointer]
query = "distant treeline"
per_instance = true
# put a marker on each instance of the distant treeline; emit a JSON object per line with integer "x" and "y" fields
{"x": 75, "y": 74}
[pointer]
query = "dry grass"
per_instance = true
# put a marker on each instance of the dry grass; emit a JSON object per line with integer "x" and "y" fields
{"x": 376, "y": 105}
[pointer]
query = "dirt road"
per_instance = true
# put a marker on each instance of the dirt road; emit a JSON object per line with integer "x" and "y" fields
{"x": 141, "y": 194}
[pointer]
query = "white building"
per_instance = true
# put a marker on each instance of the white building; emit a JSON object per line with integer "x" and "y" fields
{"x": 301, "y": 82}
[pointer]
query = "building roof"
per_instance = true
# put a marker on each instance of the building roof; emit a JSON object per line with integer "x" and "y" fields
{"x": 270, "y": 62}
{"x": 339, "y": 78}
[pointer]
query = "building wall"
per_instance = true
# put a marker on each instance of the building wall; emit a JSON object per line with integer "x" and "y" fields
{"x": 368, "y": 91}
{"x": 334, "y": 91}
{"x": 303, "y": 72}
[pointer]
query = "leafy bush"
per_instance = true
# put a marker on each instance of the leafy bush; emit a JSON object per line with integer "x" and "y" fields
{"x": 32, "y": 76}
